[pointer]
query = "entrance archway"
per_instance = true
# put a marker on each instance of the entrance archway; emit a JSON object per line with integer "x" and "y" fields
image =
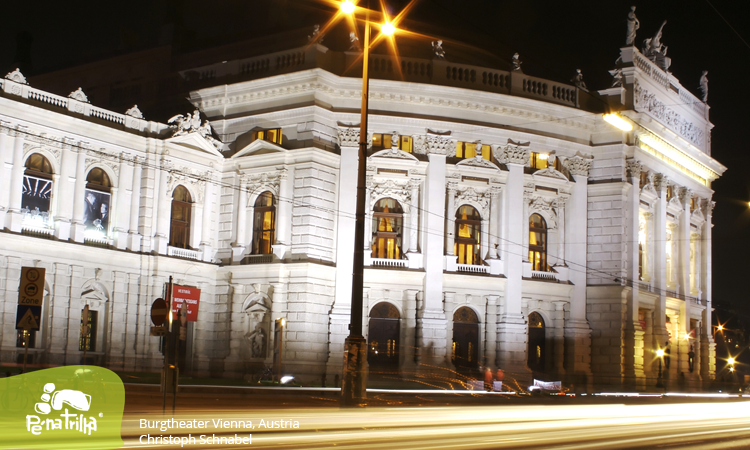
{"x": 465, "y": 352}
{"x": 383, "y": 337}
{"x": 537, "y": 341}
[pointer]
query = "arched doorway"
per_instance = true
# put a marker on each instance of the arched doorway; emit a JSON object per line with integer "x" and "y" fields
{"x": 383, "y": 337}
{"x": 537, "y": 340}
{"x": 465, "y": 353}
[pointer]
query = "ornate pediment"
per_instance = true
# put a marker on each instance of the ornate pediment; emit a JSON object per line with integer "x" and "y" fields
{"x": 480, "y": 199}
{"x": 79, "y": 95}
{"x": 394, "y": 153}
{"x": 134, "y": 112}
{"x": 546, "y": 208}
{"x": 196, "y": 142}
{"x": 257, "y": 301}
{"x": 259, "y": 146}
{"x": 401, "y": 192}
{"x": 477, "y": 161}
{"x": 16, "y": 76}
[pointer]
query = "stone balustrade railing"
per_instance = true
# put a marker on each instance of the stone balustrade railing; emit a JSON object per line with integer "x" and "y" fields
{"x": 472, "y": 268}
{"x": 542, "y": 275}
{"x": 184, "y": 253}
{"x": 394, "y": 263}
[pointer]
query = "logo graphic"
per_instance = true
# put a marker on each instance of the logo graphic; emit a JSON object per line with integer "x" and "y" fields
{"x": 81, "y": 406}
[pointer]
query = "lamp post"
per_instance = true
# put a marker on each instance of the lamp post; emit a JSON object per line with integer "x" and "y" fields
{"x": 660, "y": 355}
{"x": 354, "y": 381}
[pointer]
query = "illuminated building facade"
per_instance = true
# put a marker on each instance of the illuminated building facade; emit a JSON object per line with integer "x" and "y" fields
{"x": 508, "y": 225}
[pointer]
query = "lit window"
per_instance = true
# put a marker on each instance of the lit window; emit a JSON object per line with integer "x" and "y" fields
{"x": 644, "y": 179}
{"x": 272, "y": 135}
{"x": 264, "y": 221}
{"x": 88, "y": 337}
{"x": 468, "y": 232}
{"x": 538, "y": 243}
{"x": 387, "y": 220}
{"x": 466, "y": 150}
{"x": 179, "y": 235}
{"x": 36, "y": 192}
{"x": 381, "y": 141}
{"x": 96, "y": 203}
{"x": 670, "y": 192}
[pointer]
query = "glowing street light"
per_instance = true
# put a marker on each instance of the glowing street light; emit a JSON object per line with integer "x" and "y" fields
{"x": 348, "y": 7}
{"x": 388, "y": 29}
{"x": 660, "y": 355}
{"x": 618, "y": 122}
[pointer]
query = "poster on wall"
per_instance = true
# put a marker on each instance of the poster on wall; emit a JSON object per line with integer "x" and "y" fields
{"x": 96, "y": 211}
{"x": 35, "y": 200}
{"x": 191, "y": 296}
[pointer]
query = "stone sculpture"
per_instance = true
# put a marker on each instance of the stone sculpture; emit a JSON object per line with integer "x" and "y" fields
{"x": 578, "y": 81}
{"x": 437, "y": 48}
{"x": 633, "y": 25}
{"x": 654, "y": 50}
{"x": 316, "y": 36}
{"x": 354, "y": 40}
{"x": 516, "y": 62}
{"x": 703, "y": 86}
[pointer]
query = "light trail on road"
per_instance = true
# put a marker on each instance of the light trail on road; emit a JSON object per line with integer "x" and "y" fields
{"x": 715, "y": 425}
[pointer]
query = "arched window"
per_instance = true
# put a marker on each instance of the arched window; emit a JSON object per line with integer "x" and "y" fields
{"x": 179, "y": 235}
{"x": 264, "y": 224}
{"x": 96, "y": 202}
{"x": 387, "y": 220}
{"x": 537, "y": 340}
{"x": 383, "y": 336}
{"x": 37, "y": 191}
{"x": 538, "y": 243}
{"x": 468, "y": 232}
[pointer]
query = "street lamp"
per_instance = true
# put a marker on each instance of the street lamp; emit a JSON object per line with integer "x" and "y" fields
{"x": 660, "y": 355}
{"x": 354, "y": 382}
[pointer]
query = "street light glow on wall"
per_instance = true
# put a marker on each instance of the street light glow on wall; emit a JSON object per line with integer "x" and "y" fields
{"x": 618, "y": 122}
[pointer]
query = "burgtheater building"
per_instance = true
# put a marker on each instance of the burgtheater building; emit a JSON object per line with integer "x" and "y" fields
{"x": 508, "y": 225}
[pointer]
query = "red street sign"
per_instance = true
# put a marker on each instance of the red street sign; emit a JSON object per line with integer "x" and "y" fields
{"x": 159, "y": 312}
{"x": 189, "y": 295}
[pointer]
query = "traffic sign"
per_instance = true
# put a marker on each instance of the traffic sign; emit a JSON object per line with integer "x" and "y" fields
{"x": 158, "y": 331}
{"x": 28, "y": 317}
{"x": 189, "y": 295}
{"x": 31, "y": 289}
{"x": 159, "y": 312}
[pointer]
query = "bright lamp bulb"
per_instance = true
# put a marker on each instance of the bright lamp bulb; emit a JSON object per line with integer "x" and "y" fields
{"x": 618, "y": 122}
{"x": 347, "y": 7}
{"x": 660, "y": 353}
{"x": 730, "y": 360}
{"x": 388, "y": 29}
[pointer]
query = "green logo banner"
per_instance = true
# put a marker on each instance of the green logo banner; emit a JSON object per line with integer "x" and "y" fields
{"x": 72, "y": 407}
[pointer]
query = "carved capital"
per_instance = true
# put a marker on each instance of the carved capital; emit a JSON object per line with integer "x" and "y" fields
{"x": 452, "y": 186}
{"x": 684, "y": 195}
{"x": 633, "y": 167}
{"x": 513, "y": 154}
{"x": 578, "y": 166}
{"x": 349, "y": 137}
{"x": 661, "y": 182}
{"x": 707, "y": 207}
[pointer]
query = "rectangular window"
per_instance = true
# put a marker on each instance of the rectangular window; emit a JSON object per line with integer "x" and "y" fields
{"x": 466, "y": 150}
{"x": 381, "y": 141}
{"x": 88, "y": 337}
{"x": 272, "y": 135}
{"x": 538, "y": 160}
{"x": 35, "y": 201}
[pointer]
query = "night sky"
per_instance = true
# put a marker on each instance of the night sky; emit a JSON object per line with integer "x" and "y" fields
{"x": 553, "y": 39}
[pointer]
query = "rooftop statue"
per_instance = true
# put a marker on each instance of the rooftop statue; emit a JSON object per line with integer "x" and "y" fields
{"x": 354, "y": 40}
{"x": 633, "y": 25}
{"x": 516, "y": 63}
{"x": 654, "y": 50}
{"x": 616, "y": 77}
{"x": 437, "y": 47}
{"x": 578, "y": 81}
{"x": 703, "y": 87}
{"x": 316, "y": 36}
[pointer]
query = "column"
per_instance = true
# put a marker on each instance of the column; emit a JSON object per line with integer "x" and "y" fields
{"x": 238, "y": 250}
{"x": 339, "y": 317}
{"x": 284, "y": 218}
{"x": 208, "y": 217}
{"x": 484, "y": 244}
{"x": 527, "y": 193}
{"x": 558, "y": 339}
{"x": 512, "y": 332}
{"x": 434, "y": 341}
{"x": 450, "y": 215}
{"x": 490, "y": 332}
{"x": 494, "y": 221}
{"x": 408, "y": 343}
{"x": 660, "y": 261}
{"x": 16, "y": 181}
{"x": 135, "y": 206}
{"x": 632, "y": 212}
{"x": 124, "y": 197}
{"x": 577, "y": 329}
{"x": 706, "y": 362}
{"x": 414, "y": 216}
{"x": 79, "y": 194}
{"x": 162, "y": 208}
{"x": 65, "y": 189}
{"x": 683, "y": 242}
{"x": 6, "y": 170}
{"x": 368, "y": 218}
{"x": 560, "y": 204}
{"x": 279, "y": 310}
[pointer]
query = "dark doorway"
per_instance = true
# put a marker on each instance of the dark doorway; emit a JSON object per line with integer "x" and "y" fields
{"x": 382, "y": 352}
{"x": 537, "y": 343}
{"x": 465, "y": 353}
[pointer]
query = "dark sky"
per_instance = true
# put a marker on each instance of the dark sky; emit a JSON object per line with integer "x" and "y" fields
{"x": 553, "y": 38}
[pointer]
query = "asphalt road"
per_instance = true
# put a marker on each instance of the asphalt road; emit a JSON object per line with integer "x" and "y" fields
{"x": 432, "y": 421}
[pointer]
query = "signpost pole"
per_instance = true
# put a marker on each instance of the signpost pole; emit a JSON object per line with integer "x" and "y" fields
{"x": 26, "y": 348}
{"x": 166, "y": 346}
{"x": 85, "y": 332}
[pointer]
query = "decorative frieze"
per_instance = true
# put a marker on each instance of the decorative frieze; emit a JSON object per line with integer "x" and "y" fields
{"x": 399, "y": 191}
{"x": 434, "y": 144}
{"x": 645, "y": 101}
{"x": 480, "y": 199}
